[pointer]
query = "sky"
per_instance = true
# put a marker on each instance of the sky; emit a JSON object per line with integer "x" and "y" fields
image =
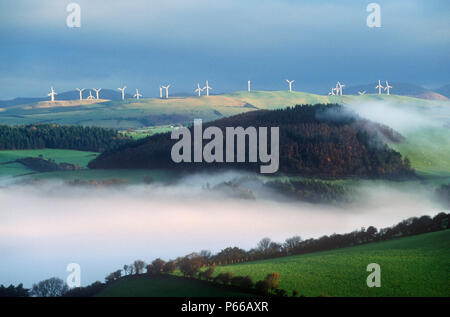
{"x": 143, "y": 44}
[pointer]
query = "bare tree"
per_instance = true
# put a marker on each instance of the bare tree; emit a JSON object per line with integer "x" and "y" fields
{"x": 138, "y": 266}
{"x": 51, "y": 287}
{"x": 264, "y": 244}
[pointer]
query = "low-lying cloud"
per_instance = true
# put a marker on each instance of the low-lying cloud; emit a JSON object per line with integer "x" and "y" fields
{"x": 44, "y": 227}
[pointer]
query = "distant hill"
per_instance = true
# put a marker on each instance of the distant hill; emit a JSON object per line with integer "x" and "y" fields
{"x": 132, "y": 113}
{"x": 402, "y": 89}
{"x": 444, "y": 90}
{"x": 319, "y": 140}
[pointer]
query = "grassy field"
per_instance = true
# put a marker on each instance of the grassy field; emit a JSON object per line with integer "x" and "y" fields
{"x": 170, "y": 286}
{"x": 428, "y": 150}
{"x": 145, "y": 132}
{"x": 157, "y": 112}
{"x": 412, "y": 266}
{"x": 69, "y": 156}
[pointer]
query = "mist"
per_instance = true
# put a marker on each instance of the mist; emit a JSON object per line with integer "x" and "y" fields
{"x": 44, "y": 227}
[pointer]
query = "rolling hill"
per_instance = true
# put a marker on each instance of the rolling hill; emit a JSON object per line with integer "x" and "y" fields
{"x": 410, "y": 266}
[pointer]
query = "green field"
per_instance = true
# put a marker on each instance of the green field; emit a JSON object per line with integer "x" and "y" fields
{"x": 170, "y": 286}
{"x": 411, "y": 266}
{"x": 81, "y": 158}
{"x": 159, "y": 112}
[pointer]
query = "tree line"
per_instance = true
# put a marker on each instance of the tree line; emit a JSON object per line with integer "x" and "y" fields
{"x": 54, "y": 136}
{"x": 202, "y": 265}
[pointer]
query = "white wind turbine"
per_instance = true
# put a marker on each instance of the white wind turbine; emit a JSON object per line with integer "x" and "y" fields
{"x": 331, "y": 93}
{"x": 339, "y": 88}
{"x": 362, "y": 92}
{"x": 167, "y": 90}
{"x": 90, "y": 97}
{"x": 387, "y": 88}
{"x": 81, "y": 92}
{"x": 97, "y": 91}
{"x": 160, "y": 92}
{"x": 379, "y": 87}
{"x": 249, "y": 88}
{"x": 52, "y": 95}
{"x": 199, "y": 90}
{"x": 137, "y": 94}
{"x": 207, "y": 87}
{"x": 123, "y": 91}
{"x": 290, "y": 84}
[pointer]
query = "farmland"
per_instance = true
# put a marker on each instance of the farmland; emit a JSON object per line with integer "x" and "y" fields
{"x": 59, "y": 156}
{"x": 412, "y": 266}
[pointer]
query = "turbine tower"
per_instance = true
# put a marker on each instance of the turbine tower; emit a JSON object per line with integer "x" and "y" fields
{"x": 387, "y": 88}
{"x": 339, "y": 88}
{"x": 379, "y": 87}
{"x": 199, "y": 90}
{"x": 290, "y": 84}
{"x": 167, "y": 90}
{"x": 52, "y": 95}
{"x": 207, "y": 87}
{"x": 90, "y": 97}
{"x": 249, "y": 85}
{"x": 160, "y": 92}
{"x": 123, "y": 91}
{"x": 97, "y": 91}
{"x": 81, "y": 92}
{"x": 137, "y": 94}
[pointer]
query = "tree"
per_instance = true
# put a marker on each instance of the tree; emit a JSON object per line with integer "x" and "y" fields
{"x": 51, "y": 287}
{"x": 272, "y": 280}
{"x": 264, "y": 244}
{"x": 291, "y": 243}
{"x": 138, "y": 266}
{"x": 169, "y": 267}
{"x": 14, "y": 291}
{"x": 156, "y": 267}
{"x": 190, "y": 266}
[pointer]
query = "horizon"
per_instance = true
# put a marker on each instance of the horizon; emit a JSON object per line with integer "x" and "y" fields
{"x": 313, "y": 42}
{"x": 184, "y": 94}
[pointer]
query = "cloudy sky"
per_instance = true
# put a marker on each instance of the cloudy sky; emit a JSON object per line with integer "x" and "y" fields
{"x": 143, "y": 44}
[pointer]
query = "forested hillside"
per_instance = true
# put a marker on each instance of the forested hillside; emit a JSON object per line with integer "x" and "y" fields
{"x": 59, "y": 137}
{"x": 319, "y": 140}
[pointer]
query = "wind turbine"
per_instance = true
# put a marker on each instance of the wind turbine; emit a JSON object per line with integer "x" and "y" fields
{"x": 97, "y": 91}
{"x": 339, "y": 88}
{"x": 123, "y": 91}
{"x": 81, "y": 92}
{"x": 379, "y": 87}
{"x": 160, "y": 92}
{"x": 362, "y": 92}
{"x": 199, "y": 90}
{"x": 290, "y": 84}
{"x": 167, "y": 90}
{"x": 249, "y": 85}
{"x": 331, "y": 93}
{"x": 52, "y": 94}
{"x": 387, "y": 88}
{"x": 207, "y": 87}
{"x": 90, "y": 97}
{"x": 137, "y": 94}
